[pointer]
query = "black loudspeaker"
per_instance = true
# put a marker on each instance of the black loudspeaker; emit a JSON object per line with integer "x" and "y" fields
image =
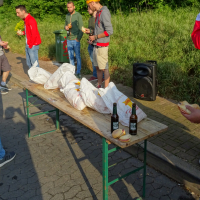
{"x": 145, "y": 80}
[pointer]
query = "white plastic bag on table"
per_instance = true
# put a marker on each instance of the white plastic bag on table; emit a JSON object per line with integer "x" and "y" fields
{"x": 112, "y": 95}
{"x": 38, "y": 75}
{"x": 72, "y": 94}
{"x": 53, "y": 81}
{"x": 92, "y": 98}
{"x": 66, "y": 78}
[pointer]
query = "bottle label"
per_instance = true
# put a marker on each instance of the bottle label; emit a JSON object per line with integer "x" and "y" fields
{"x": 115, "y": 125}
{"x": 133, "y": 126}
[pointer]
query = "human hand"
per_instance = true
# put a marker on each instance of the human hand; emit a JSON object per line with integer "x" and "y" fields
{"x": 66, "y": 28}
{"x": 194, "y": 117}
{"x": 3, "y": 43}
{"x": 77, "y": 40}
{"x": 87, "y": 30}
{"x": 19, "y": 32}
{"x": 90, "y": 42}
{"x": 6, "y": 47}
{"x": 92, "y": 38}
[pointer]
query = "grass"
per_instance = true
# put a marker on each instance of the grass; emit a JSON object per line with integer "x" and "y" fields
{"x": 161, "y": 36}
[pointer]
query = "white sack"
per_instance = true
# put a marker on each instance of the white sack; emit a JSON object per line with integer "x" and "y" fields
{"x": 112, "y": 95}
{"x": 92, "y": 98}
{"x": 72, "y": 94}
{"x": 53, "y": 81}
{"x": 38, "y": 75}
{"x": 66, "y": 78}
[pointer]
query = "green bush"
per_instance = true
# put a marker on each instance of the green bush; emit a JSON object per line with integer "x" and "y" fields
{"x": 20, "y": 26}
{"x": 41, "y": 8}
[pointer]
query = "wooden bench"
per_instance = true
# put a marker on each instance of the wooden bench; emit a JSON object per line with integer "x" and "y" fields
{"x": 99, "y": 123}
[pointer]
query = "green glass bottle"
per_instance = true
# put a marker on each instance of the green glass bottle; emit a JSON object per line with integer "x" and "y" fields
{"x": 114, "y": 118}
{"x": 133, "y": 121}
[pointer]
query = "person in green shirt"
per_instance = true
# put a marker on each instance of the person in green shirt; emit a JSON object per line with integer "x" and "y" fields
{"x": 91, "y": 26}
{"x": 73, "y": 24}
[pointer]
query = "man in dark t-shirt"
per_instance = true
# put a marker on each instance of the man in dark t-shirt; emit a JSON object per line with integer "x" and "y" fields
{"x": 91, "y": 26}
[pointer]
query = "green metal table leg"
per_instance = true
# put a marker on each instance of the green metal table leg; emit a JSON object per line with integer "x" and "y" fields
{"x": 105, "y": 169}
{"x": 27, "y": 111}
{"x": 144, "y": 172}
{"x": 57, "y": 119}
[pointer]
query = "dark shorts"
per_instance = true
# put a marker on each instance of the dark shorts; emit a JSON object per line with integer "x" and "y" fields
{"x": 4, "y": 65}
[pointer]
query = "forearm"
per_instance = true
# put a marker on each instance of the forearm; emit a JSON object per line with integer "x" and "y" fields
{"x": 101, "y": 35}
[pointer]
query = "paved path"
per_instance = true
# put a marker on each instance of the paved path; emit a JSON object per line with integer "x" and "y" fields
{"x": 68, "y": 164}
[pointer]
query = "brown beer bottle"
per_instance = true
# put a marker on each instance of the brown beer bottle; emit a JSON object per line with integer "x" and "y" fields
{"x": 114, "y": 118}
{"x": 133, "y": 121}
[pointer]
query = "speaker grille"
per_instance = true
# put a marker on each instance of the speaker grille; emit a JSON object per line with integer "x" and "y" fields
{"x": 143, "y": 87}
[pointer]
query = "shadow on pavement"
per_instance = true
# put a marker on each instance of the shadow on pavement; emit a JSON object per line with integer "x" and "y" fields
{"x": 89, "y": 161}
{"x": 23, "y": 62}
{"x": 18, "y": 178}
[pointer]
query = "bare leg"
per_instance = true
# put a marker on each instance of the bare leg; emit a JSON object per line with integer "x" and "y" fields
{"x": 5, "y": 76}
{"x": 106, "y": 77}
{"x": 99, "y": 75}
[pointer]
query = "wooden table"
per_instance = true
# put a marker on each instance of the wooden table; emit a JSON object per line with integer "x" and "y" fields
{"x": 99, "y": 123}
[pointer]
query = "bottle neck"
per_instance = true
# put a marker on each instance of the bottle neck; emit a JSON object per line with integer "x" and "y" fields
{"x": 91, "y": 32}
{"x": 133, "y": 110}
{"x": 114, "y": 109}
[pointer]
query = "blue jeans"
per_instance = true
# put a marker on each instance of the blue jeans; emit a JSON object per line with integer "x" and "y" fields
{"x": 32, "y": 55}
{"x": 74, "y": 46}
{"x": 2, "y": 151}
{"x": 90, "y": 51}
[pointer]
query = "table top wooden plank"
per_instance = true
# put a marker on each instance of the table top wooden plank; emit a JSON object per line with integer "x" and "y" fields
{"x": 100, "y": 123}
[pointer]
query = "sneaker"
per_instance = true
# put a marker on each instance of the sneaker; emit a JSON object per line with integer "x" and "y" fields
{"x": 3, "y": 90}
{"x": 7, "y": 158}
{"x": 7, "y": 87}
{"x": 93, "y": 78}
{"x": 78, "y": 76}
